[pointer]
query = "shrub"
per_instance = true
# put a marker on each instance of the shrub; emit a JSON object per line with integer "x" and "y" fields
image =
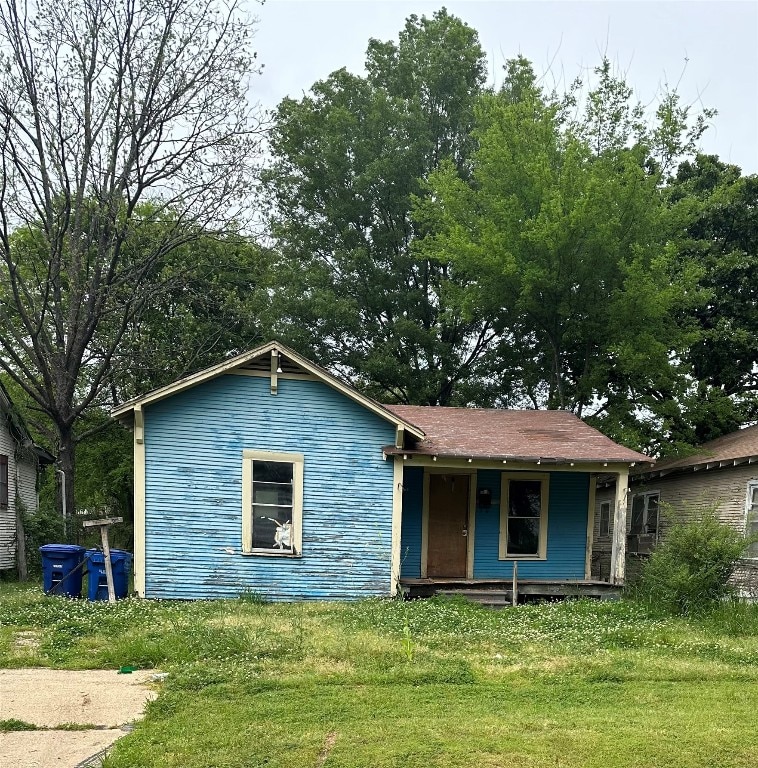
{"x": 41, "y": 527}
{"x": 689, "y": 570}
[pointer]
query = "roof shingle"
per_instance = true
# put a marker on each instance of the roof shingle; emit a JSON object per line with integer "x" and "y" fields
{"x": 555, "y": 436}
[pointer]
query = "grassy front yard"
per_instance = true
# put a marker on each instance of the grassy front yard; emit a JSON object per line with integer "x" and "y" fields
{"x": 384, "y": 683}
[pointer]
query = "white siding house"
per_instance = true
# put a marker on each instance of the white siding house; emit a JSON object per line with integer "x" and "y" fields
{"x": 20, "y": 459}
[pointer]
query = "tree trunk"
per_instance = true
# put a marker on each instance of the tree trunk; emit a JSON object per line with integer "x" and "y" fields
{"x": 66, "y": 460}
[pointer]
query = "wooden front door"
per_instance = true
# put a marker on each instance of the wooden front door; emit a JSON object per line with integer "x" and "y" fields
{"x": 448, "y": 525}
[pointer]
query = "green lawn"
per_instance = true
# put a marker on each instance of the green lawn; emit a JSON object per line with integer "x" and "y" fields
{"x": 429, "y": 683}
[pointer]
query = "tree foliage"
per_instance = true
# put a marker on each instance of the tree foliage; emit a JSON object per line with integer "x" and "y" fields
{"x": 348, "y": 159}
{"x": 207, "y": 298}
{"x": 560, "y": 231}
{"x": 721, "y": 242}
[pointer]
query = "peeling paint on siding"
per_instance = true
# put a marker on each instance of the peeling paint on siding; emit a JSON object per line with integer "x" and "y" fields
{"x": 410, "y": 537}
{"x": 194, "y": 442}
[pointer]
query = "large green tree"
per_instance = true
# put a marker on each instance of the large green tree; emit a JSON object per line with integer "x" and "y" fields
{"x": 721, "y": 242}
{"x": 348, "y": 160}
{"x": 560, "y": 231}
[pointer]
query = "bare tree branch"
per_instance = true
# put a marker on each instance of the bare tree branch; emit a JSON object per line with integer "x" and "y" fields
{"x": 125, "y": 132}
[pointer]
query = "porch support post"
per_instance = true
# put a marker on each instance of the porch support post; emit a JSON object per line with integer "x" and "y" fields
{"x": 397, "y": 521}
{"x": 139, "y": 501}
{"x": 618, "y": 549}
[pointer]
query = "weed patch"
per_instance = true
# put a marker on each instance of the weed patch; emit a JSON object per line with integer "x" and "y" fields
{"x": 12, "y": 724}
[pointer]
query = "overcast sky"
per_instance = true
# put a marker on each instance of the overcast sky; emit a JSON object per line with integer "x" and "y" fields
{"x": 709, "y": 48}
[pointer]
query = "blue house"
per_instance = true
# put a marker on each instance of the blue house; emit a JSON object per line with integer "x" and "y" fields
{"x": 267, "y": 474}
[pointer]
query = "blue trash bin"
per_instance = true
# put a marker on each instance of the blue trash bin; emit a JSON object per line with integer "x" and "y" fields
{"x": 97, "y": 583}
{"x": 59, "y": 569}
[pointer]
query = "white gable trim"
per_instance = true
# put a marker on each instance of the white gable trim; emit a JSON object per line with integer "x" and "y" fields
{"x": 229, "y": 366}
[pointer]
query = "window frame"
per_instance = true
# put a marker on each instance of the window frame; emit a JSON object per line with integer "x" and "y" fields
{"x": 646, "y": 495}
{"x": 5, "y": 487}
{"x": 607, "y": 532}
{"x": 751, "y": 509}
{"x": 505, "y": 481}
{"x": 249, "y": 456}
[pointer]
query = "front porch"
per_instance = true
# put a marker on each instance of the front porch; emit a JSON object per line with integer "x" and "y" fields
{"x": 499, "y": 593}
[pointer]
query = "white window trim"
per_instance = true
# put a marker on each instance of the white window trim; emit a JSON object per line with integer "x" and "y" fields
{"x": 505, "y": 479}
{"x": 296, "y": 459}
{"x": 751, "y": 486}
{"x": 644, "y": 532}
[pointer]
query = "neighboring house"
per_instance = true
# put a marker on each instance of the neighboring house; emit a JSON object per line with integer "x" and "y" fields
{"x": 20, "y": 460}
{"x": 722, "y": 474}
{"x": 267, "y": 474}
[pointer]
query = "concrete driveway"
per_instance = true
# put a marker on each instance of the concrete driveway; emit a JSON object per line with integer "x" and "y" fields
{"x": 105, "y": 701}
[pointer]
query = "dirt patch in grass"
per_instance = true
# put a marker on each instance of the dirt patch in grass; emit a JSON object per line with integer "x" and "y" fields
{"x": 27, "y": 640}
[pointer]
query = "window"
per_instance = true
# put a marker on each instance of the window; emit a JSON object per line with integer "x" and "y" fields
{"x": 605, "y": 518}
{"x": 523, "y": 516}
{"x": 3, "y": 482}
{"x": 751, "y": 518}
{"x": 272, "y": 503}
{"x": 645, "y": 512}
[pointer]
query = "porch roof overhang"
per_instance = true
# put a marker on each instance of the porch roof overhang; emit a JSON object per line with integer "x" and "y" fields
{"x": 442, "y": 456}
{"x": 731, "y": 450}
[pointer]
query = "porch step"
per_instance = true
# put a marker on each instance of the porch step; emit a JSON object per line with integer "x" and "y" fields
{"x": 497, "y": 593}
{"x": 492, "y": 598}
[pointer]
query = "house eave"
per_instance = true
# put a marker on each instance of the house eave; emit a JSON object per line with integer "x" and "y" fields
{"x": 19, "y": 431}
{"x": 700, "y": 466}
{"x": 124, "y": 413}
{"x": 505, "y": 459}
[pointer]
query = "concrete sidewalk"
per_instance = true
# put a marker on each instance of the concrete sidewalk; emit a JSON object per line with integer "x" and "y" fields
{"x": 103, "y": 700}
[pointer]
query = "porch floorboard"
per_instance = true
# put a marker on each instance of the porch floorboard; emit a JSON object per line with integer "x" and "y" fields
{"x": 498, "y": 592}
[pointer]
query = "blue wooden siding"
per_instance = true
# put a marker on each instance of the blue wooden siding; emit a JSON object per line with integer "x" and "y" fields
{"x": 410, "y": 537}
{"x": 194, "y": 442}
{"x": 566, "y": 531}
{"x": 566, "y": 528}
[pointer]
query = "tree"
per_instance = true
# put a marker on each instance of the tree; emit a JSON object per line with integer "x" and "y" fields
{"x": 721, "y": 241}
{"x": 560, "y": 232}
{"x": 207, "y": 299}
{"x": 114, "y": 117}
{"x": 348, "y": 159}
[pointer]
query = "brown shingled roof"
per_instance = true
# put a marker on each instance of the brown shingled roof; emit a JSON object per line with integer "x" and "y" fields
{"x": 552, "y": 436}
{"x": 734, "y": 447}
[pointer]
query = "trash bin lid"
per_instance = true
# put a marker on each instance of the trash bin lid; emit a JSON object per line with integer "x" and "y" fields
{"x": 116, "y": 555}
{"x": 61, "y": 549}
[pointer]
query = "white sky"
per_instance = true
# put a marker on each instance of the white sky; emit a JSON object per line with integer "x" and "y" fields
{"x": 709, "y": 48}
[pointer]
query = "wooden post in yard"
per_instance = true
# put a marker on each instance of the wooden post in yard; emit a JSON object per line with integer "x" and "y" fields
{"x": 514, "y": 586}
{"x": 104, "y": 524}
